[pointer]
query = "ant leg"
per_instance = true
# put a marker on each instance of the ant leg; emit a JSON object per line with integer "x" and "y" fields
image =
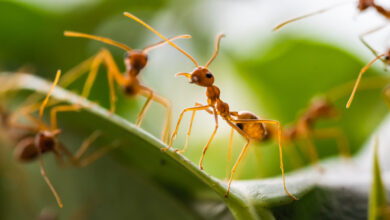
{"x": 76, "y": 159}
{"x": 61, "y": 108}
{"x": 339, "y": 136}
{"x": 165, "y": 103}
{"x": 310, "y": 149}
{"x": 190, "y": 128}
{"x": 178, "y": 123}
{"x": 296, "y": 160}
{"x": 76, "y": 72}
{"x": 276, "y": 123}
{"x": 211, "y": 138}
{"x": 188, "y": 135}
{"x": 44, "y": 175}
{"x": 233, "y": 126}
{"x": 58, "y": 155}
{"x": 230, "y": 149}
{"x": 146, "y": 106}
{"x": 105, "y": 57}
{"x": 373, "y": 51}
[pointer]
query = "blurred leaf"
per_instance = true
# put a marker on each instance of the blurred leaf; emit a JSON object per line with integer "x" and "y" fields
{"x": 377, "y": 205}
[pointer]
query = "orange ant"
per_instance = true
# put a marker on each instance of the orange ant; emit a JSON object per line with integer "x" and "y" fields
{"x": 304, "y": 128}
{"x": 42, "y": 139}
{"x": 135, "y": 61}
{"x": 201, "y": 76}
{"x": 363, "y": 5}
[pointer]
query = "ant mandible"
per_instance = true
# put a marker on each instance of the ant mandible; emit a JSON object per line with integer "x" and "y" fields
{"x": 42, "y": 138}
{"x": 363, "y": 5}
{"x": 201, "y": 76}
{"x": 135, "y": 61}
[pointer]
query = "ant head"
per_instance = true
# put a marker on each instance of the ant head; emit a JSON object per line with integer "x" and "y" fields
{"x": 136, "y": 60}
{"x": 364, "y": 4}
{"x": 200, "y": 76}
{"x": 45, "y": 140}
{"x": 386, "y": 57}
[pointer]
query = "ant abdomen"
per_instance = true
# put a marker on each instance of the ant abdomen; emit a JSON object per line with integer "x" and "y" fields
{"x": 256, "y": 131}
{"x": 26, "y": 151}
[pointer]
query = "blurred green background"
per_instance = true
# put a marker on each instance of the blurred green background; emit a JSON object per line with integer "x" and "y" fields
{"x": 275, "y": 79}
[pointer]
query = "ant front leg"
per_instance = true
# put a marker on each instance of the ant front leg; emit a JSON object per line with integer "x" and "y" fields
{"x": 173, "y": 137}
{"x": 76, "y": 72}
{"x": 190, "y": 128}
{"x": 211, "y": 138}
{"x": 279, "y": 129}
{"x": 93, "y": 64}
{"x": 147, "y": 92}
{"x": 113, "y": 75}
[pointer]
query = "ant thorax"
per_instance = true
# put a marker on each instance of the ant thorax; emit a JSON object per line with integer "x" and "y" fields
{"x": 45, "y": 141}
{"x": 212, "y": 94}
{"x": 135, "y": 61}
{"x": 223, "y": 109}
{"x": 26, "y": 151}
{"x": 132, "y": 86}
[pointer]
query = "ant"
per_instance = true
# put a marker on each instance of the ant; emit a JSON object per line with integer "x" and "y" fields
{"x": 42, "y": 138}
{"x": 303, "y": 128}
{"x": 135, "y": 61}
{"x": 201, "y": 76}
{"x": 363, "y": 5}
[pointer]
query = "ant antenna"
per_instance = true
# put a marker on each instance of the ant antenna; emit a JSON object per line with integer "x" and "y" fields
{"x": 360, "y": 76}
{"x": 153, "y": 46}
{"x": 127, "y": 14}
{"x": 44, "y": 103}
{"x": 218, "y": 41}
{"x": 102, "y": 39}
{"x": 307, "y": 15}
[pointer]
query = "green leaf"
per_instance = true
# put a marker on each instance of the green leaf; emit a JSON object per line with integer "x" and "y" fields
{"x": 378, "y": 209}
{"x": 166, "y": 185}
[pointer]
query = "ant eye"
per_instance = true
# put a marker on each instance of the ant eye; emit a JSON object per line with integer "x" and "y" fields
{"x": 209, "y": 75}
{"x": 387, "y": 57}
